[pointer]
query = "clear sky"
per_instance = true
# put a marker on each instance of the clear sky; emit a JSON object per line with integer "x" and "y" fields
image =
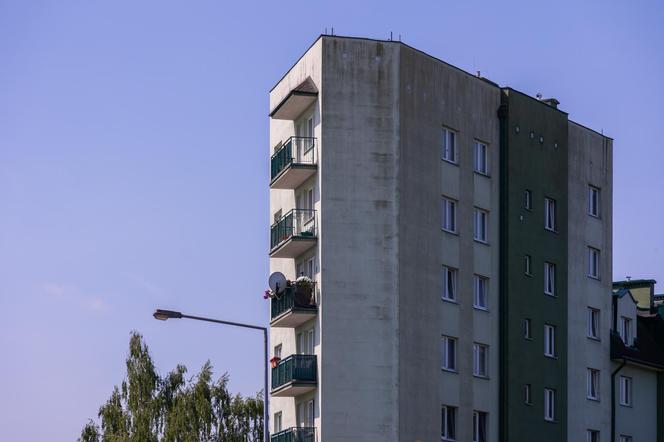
{"x": 134, "y": 167}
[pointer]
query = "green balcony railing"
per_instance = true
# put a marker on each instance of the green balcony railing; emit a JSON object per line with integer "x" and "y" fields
{"x": 298, "y": 434}
{"x": 293, "y": 298}
{"x": 296, "y": 223}
{"x": 295, "y": 368}
{"x": 296, "y": 150}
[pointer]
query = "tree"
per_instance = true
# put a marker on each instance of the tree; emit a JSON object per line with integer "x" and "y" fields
{"x": 149, "y": 408}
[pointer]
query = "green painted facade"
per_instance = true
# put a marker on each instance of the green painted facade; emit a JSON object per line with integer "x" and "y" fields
{"x": 534, "y": 157}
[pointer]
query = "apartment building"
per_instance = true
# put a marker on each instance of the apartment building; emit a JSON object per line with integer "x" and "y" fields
{"x": 452, "y": 240}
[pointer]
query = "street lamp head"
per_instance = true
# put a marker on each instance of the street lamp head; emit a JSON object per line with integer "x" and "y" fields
{"x": 163, "y": 315}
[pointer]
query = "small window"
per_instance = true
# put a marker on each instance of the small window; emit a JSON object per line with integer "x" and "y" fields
{"x": 550, "y": 278}
{"x": 626, "y": 330}
{"x": 592, "y": 384}
{"x": 593, "y": 263}
{"x": 449, "y": 283}
{"x": 449, "y": 353}
{"x": 593, "y": 201}
{"x": 527, "y": 329}
{"x": 277, "y": 422}
{"x": 528, "y": 200}
{"x": 449, "y": 149}
{"x": 592, "y": 436}
{"x": 480, "y": 360}
{"x": 549, "y": 405}
{"x": 481, "y": 158}
{"x": 625, "y": 391}
{"x": 448, "y": 425}
{"x": 549, "y": 340}
{"x": 481, "y": 221}
{"x": 277, "y": 351}
{"x": 593, "y": 323}
{"x": 527, "y": 264}
{"x": 624, "y": 438}
{"x": 277, "y": 216}
{"x": 480, "y": 292}
{"x": 449, "y": 215}
{"x": 479, "y": 426}
{"x": 527, "y": 398}
{"x": 550, "y": 214}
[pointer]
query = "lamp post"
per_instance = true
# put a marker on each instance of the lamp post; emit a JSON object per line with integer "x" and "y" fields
{"x": 163, "y": 315}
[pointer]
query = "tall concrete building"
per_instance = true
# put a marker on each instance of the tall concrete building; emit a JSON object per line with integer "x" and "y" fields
{"x": 447, "y": 243}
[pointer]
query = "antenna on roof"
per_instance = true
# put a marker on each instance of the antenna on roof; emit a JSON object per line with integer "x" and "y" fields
{"x": 333, "y": 30}
{"x": 399, "y": 37}
{"x": 539, "y": 95}
{"x": 390, "y": 35}
{"x": 629, "y": 278}
{"x": 325, "y": 31}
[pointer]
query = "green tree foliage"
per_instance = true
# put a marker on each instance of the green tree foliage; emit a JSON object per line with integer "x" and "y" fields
{"x": 149, "y": 408}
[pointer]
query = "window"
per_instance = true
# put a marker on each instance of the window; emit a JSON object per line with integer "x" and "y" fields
{"x": 480, "y": 360}
{"x": 277, "y": 422}
{"x": 593, "y": 263}
{"x": 277, "y": 216}
{"x": 593, "y": 323}
{"x": 307, "y": 267}
{"x": 625, "y": 391}
{"x": 448, "y": 427}
{"x": 481, "y": 158}
{"x": 550, "y": 278}
{"x": 626, "y": 330}
{"x": 549, "y": 341}
{"x": 481, "y": 221}
{"x": 592, "y": 436}
{"x": 480, "y": 291}
{"x": 528, "y": 200}
{"x": 593, "y": 201}
{"x": 550, "y": 214}
{"x": 449, "y": 283}
{"x": 305, "y": 342}
{"x": 449, "y": 215}
{"x": 592, "y": 384}
{"x": 479, "y": 426}
{"x": 624, "y": 438}
{"x": 527, "y": 264}
{"x": 549, "y": 404}
{"x": 277, "y": 351}
{"x": 526, "y": 329}
{"x": 527, "y": 399}
{"x": 449, "y": 353}
{"x": 449, "y": 146}
{"x": 305, "y": 414}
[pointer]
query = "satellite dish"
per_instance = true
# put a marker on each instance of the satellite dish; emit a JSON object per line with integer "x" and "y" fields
{"x": 277, "y": 282}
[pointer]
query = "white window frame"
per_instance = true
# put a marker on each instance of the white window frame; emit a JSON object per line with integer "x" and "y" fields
{"x": 449, "y": 214}
{"x": 449, "y": 151}
{"x": 550, "y": 214}
{"x": 480, "y": 360}
{"x": 449, "y": 353}
{"x": 528, "y": 199}
{"x": 527, "y": 394}
{"x": 277, "y": 421}
{"x": 549, "y": 404}
{"x": 527, "y": 329}
{"x": 592, "y": 436}
{"x": 480, "y": 419}
{"x": 594, "y": 194}
{"x": 549, "y": 340}
{"x": 277, "y": 351}
{"x": 550, "y": 278}
{"x": 626, "y": 391}
{"x": 625, "y": 330}
{"x": 481, "y": 225}
{"x": 592, "y": 384}
{"x": 528, "y": 265}
{"x": 593, "y": 262}
{"x": 450, "y": 284}
{"x": 481, "y": 163}
{"x": 593, "y": 323}
{"x": 625, "y": 438}
{"x": 480, "y": 292}
{"x": 448, "y": 413}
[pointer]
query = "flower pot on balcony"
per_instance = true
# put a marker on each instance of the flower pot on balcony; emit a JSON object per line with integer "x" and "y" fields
{"x": 304, "y": 288}
{"x": 274, "y": 362}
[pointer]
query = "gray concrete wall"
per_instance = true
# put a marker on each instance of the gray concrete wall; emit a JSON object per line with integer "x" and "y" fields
{"x": 639, "y": 420}
{"x": 590, "y": 162}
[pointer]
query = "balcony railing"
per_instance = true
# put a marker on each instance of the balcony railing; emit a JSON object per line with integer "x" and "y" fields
{"x": 298, "y": 434}
{"x": 295, "y": 151}
{"x": 294, "y": 370}
{"x": 298, "y": 224}
{"x": 294, "y": 300}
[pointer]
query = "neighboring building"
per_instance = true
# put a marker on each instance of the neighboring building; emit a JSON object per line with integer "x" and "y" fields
{"x": 459, "y": 236}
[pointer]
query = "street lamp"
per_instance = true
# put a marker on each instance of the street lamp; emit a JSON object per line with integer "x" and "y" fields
{"x": 163, "y": 315}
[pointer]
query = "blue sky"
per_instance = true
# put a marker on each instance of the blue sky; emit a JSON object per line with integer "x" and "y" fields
{"x": 134, "y": 168}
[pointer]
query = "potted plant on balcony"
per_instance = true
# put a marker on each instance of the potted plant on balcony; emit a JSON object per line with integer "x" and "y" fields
{"x": 274, "y": 362}
{"x": 304, "y": 289}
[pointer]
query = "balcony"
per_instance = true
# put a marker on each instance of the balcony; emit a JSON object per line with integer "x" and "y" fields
{"x": 294, "y": 376}
{"x": 293, "y": 234}
{"x": 301, "y": 434}
{"x": 293, "y": 163}
{"x": 294, "y": 307}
